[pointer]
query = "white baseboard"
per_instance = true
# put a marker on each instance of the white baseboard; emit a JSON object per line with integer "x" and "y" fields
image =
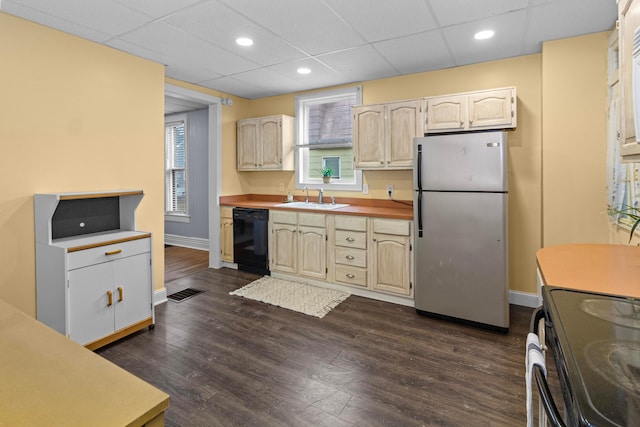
{"x": 524, "y": 299}
{"x": 232, "y": 265}
{"x": 160, "y": 296}
{"x": 187, "y": 242}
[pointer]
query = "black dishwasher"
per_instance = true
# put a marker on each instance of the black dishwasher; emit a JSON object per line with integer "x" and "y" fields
{"x": 251, "y": 240}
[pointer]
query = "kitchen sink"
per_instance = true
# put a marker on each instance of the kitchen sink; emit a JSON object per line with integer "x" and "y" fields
{"x": 312, "y": 205}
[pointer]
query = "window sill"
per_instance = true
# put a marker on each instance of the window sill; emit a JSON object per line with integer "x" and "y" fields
{"x": 177, "y": 218}
{"x": 330, "y": 186}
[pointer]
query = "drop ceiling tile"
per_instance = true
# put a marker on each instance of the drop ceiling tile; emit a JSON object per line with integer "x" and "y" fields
{"x": 382, "y": 20}
{"x": 505, "y": 43}
{"x": 189, "y": 74}
{"x": 157, "y": 8}
{"x": 420, "y": 52}
{"x": 237, "y": 87}
{"x": 567, "y": 18}
{"x": 321, "y": 75}
{"x": 268, "y": 49}
{"x": 101, "y": 16}
{"x": 309, "y": 25}
{"x": 359, "y": 63}
{"x": 451, "y": 12}
{"x": 182, "y": 49}
{"x": 44, "y": 18}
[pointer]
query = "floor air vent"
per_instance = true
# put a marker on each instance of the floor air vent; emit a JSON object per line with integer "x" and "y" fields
{"x": 184, "y": 294}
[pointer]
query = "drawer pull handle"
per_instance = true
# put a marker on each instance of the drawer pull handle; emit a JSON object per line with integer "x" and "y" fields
{"x": 109, "y": 298}
{"x": 350, "y": 275}
{"x": 120, "y": 293}
{"x": 117, "y": 251}
{"x": 350, "y": 257}
{"x": 350, "y": 239}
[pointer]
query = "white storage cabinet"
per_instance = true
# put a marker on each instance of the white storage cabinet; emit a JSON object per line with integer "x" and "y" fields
{"x": 93, "y": 268}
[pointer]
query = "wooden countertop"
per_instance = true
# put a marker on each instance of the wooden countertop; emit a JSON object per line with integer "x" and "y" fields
{"x": 48, "y": 380}
{"x": 609, "y": 269}
{"x": 360, "y": 207}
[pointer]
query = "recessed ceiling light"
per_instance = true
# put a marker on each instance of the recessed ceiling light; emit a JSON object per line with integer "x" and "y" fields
{"x": 304, "y": 70}
{"x": 244, "y": 41}
{"x": 482, "y": 35}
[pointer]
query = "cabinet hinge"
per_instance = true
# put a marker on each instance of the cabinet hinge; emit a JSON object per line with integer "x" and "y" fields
{"x": 410, "y": 285}
{"x": 511, "y": 113}
{"x": 410, "y": 247}
{"x": 326, "y": 270}
{"x": 326, "y": 238}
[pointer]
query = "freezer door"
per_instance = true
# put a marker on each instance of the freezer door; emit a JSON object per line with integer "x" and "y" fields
{"x": 462, "y": 162}
{"x": 461, "y": 265}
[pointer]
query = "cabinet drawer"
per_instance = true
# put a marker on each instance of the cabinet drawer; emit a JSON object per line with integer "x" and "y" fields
{"x": 350, "y": 256}
{"x": 312, "y": 220}
{"x": 226, "y": 212}
{"x": 283, "y": 217}
{"x": 351, "y": 239}
{"x": 351, "y": 275}
{"x": 106, "y": 253}
{"x": 391, "y": 226}
{"x": 354, "y": 223}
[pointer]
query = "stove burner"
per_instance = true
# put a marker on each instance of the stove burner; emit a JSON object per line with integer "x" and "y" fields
{"x": 618, "y": 362}
{"x": 623, "y": 313}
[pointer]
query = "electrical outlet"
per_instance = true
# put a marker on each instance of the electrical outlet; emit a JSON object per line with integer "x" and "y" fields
{"x": 390, "y": 191}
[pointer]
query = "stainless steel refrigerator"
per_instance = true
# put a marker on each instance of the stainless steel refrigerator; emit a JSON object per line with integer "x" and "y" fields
{"x": 460, "y": 213}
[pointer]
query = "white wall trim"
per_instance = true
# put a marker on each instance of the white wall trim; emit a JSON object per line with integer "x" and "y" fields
{"x": 524, "y": 299}
{"x": 215, "y": 163}
{"x": 187, "y": 242}
{"x": 160, "y": 296}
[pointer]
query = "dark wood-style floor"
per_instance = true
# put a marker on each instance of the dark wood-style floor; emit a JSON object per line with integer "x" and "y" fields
{"x": 229, "y": 361}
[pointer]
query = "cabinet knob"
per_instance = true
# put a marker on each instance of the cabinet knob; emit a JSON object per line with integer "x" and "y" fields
{"x": 470, "y": 122}
{"x": 109, "y": 298}
{"x": 120, "y": 293}
{"x": 117, "y": 251}
{"x": 350, "y": 275}
{"x": 381, "y": 162}
{"x": 461, "y": 124}
{"x": 350, "y": 257}
{"x": 350, "y": 239}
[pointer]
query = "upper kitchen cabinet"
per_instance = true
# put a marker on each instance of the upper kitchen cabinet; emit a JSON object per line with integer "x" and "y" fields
{"x": 265, "y": 143}
{"x": 487, "y": 109}
{"x": 383, "y": 134}
{"x": 629, "y": 19}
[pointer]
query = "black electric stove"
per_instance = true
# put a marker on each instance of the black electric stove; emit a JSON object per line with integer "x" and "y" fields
{"x": 595, "y": 341}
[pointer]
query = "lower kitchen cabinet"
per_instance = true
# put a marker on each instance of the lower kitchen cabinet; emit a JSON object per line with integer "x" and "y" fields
{"x": 226, "y": 234}
{"x": 312, "y": 245}
{"x": 350, "y": 255}
{"x": 391, "y": 256}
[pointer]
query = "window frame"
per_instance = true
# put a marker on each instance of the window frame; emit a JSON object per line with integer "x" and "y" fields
{"x": 170, "y": 215}
{"x": 302, "y": 159}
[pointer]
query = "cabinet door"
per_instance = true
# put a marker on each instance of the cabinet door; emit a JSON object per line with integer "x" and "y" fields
{"x": 270, "y": 143}
{"x": 283, "y": 249}
{"x": 391, "y": 263}
{"x": 446, "y": 113}
{"x": 90, "y": 309}
{"x": 312, "y": 252}
{"x": 132, "y": 290}
{"x": 491, "y": 109}
{"x": 368, "y": 137}
{"x": 247, "y": 144}
{"x": 405, "y": 121}
{"x": 226, "y": 235}
{"x": 629, "y": 12}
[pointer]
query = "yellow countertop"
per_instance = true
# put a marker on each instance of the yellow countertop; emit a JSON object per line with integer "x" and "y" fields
{"x": 359, "y": 207}
{"x": 601, "y": 268}
{"x": 48, "y": 380}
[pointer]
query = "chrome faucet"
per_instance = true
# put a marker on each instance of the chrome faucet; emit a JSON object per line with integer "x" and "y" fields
{"x": 307, "y": 190}
{"x": 320, "y": 195}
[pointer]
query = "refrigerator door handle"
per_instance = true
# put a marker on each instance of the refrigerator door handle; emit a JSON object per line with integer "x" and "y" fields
{"x": 419, "y": 214}
{"x": 419, "y": 169}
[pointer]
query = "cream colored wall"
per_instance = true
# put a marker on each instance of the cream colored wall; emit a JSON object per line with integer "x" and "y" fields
{"x": 574, "y": 94}
{"x": 74, "y": 116}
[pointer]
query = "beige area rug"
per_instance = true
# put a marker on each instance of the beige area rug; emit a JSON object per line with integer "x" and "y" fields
{"x": 300, "y": 297}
